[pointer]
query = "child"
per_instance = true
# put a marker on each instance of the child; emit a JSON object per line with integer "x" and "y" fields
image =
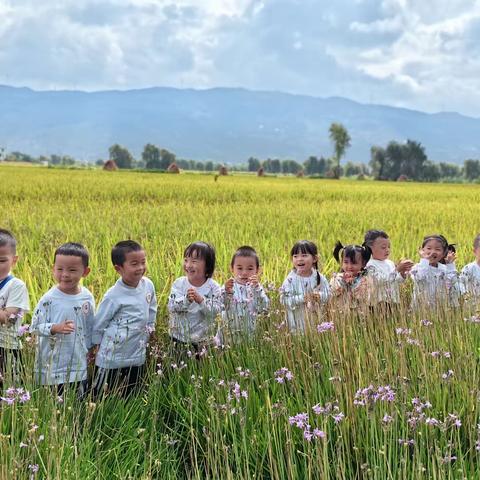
{"x": 195, "y": 299}
{"x": 351, "y": 285}
{"x": 435, "y": 278}
{"x": 63, "y": 320}
{"x": 14, "y": 303}
{"x": 470, "y": 276}
{"x": 305, "y": 288}
{"x": 244, "y": 297}
{"x": 124, "y": 322}
{"x": 386, "y": 277}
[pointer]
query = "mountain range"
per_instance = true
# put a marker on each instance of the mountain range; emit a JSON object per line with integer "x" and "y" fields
{"x": 221, "y": 124}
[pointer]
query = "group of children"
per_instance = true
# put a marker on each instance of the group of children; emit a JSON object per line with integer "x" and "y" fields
{"x": 71, "y": 332}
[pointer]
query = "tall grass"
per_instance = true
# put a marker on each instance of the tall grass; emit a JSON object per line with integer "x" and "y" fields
{"x": 189, "y": 423}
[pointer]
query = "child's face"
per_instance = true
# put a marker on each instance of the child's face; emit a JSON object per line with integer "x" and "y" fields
{"x": 303, "y": 263}
{"x": 194, "y": 267}
{"x": 380, "y": 248}
{"x": 243, "y": 268}
{"x": 353, "y": 268}
{"x": 434, "y": 250}
{"x": 133, "y": 268}
{"x": 7, "y": 260}
{"x": 68, "y": 270}
{"x": 476, "y": 252}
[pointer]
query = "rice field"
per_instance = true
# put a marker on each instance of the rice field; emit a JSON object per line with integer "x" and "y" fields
{"x": 372, "y": 397}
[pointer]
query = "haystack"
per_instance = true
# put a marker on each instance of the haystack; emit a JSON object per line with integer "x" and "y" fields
{"x": 110, "y": 166}
{"x": 173, "y": 168}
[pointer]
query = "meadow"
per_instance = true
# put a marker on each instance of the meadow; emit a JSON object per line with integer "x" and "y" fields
{"x": 366, "y": 397}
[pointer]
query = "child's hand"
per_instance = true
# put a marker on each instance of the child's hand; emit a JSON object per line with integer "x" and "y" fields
{"x": 451, "y": 257}
{"x": 229, "y": 285}
{"x": 404, "y": 266}
{"x": 348, "y": 277}
{"x": 194, "y": 296}
{"x": 65, "y": 328}
{"x": 253, "y": 280}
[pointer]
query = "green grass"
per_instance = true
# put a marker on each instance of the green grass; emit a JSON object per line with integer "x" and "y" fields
{"x": 184, "y": 426}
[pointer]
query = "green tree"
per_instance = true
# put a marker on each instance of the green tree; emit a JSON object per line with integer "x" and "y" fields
{"x": 121, "y": 156}
{"x": 341, "y": 141}
{"x": 151, "y": 157}
{"x": 253, "y": 164}
{"x": 471, "y": 169}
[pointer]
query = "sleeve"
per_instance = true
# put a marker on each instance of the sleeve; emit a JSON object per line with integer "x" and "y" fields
{"x": 41, "y": 323}
{"x": 289, "y": 297}
{"x": 213, "y": 304}
{"x": 262, "y": 302}
{"x": 337, "y": 285}
{"x": 421, "y": 270}
{"x": 105, "y": 314}
{"x": 324, "y": 289}
{"x": 89, "y": 320}
{"x": 456, "y": 286}
{"x": 18, "y": 297}
{"x": 152, "y": 309}
{"x": 465, "y": 278}
{"x": 177, "y": 301}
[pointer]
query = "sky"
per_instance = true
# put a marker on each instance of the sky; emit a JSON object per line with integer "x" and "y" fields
{"x": 417, "y": 54}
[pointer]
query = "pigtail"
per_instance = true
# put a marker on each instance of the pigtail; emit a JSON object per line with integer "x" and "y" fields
{"x": 451, "y": 248}
{"x": 336, "y": 251}
{"x": 366, "y": 253}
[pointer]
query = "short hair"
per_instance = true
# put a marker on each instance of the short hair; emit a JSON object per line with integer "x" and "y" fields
{"x": 476, "y": 241}
{"x": 72, "y": 249}
{"x": 351, "y": 251}
{"x": 372, "y": 235}
{"x": 206, "y": 252}
{"x": 8, "y": 240}
{"x": 245, "y": 251}
{"x": 120, "y": 250}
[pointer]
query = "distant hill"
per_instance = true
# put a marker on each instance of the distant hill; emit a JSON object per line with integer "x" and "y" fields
{"x": 221, "y": 124}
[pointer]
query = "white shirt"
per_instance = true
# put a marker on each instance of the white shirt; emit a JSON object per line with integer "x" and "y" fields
{"x": 62, "y": 358}
{"x": 191, "y": 322}
{"x": 470, "y": 278}
{"x": 242, "y": 308}
{"x": 124, "y": 321}
{"x": 13, "y": 295}
{"x": 434, "y": 286}
{"x": 293, "y": 291}
{"x": 385, "y": 281}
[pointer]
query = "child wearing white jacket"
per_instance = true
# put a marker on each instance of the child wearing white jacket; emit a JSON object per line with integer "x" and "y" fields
{"x": 435, "y": 278}
{"x": 244, "y": 297}
{"x": 305, "y": 289}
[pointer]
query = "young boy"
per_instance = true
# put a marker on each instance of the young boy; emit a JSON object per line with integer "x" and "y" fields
{"x": 63, "y": 321}
{"x": 14, "y": 303}
{"x": 124, "y": 321}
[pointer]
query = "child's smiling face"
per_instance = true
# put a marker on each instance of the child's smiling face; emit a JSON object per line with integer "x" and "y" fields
{"x": 434, "y": 251}
{"x": 133, "y": 268}
{"x": 7, "y": 260}
{"x": 195, "y": 267}
{"x": 68, "y": 270}
{"x": 303, "y": 263}
{"x": 353, "y": 268}
{"x": 243, "y": 268}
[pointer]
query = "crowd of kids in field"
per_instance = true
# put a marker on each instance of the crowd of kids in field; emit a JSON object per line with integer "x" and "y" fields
{"x": 70, "y": 332}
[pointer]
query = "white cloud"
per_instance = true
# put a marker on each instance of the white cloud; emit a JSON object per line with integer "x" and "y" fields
{"x": 422, "y": 55}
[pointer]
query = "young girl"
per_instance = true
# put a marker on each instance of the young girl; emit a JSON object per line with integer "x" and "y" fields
{"x": 470, "y": 276}
{"x": 304, "y": 288}
{"x": 350, "y": 287}
{"x": 244, "y": 297}
{"x": 386, "y": 277}
{"x": 435, "y": 278}
{"x": 195, "y": 299}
